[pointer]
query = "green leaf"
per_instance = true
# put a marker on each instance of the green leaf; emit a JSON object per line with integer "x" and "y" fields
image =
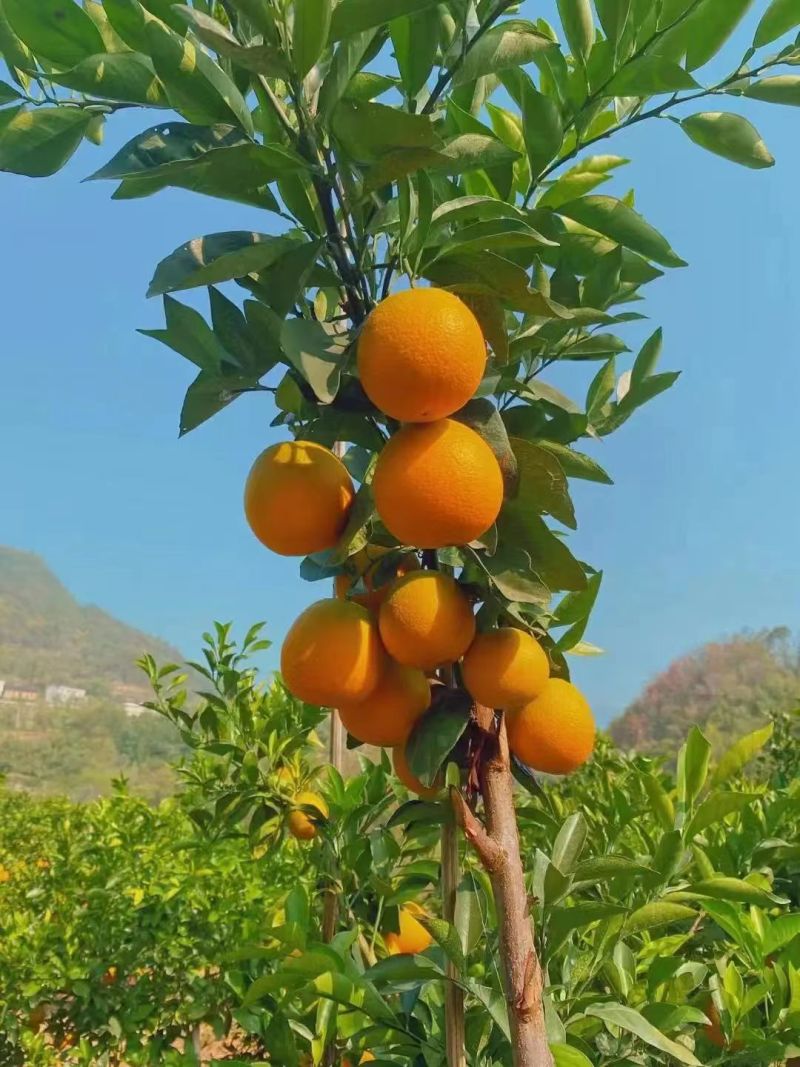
{"x": 567, "y": 1056}
{"x": 174, "y": 142}
{"x": 38, "y": 143}
{"x": 312, "y": 23}
{"x": 780, "y": 932}
{"x": 603, "y": 868}
{"x": 208, "y": 394}
{"x": 513, "y": 43}
{"x": 197, "y": 88}
{"x": 262, "y": 59}
{"x": 402, "y": 970}
{"x": 647, "y": 359}
{"x": 318, "y": 353}
{"x": 570, "y": 186}
{"x": 563, "y": 920}
{"x": 446, "y": 935}
{"x": 355, "y": 16}
{"x": 56, "y": 30}
{"x": 542, "y": 128}
{"x": 482, "y": 416}
{"x": 468, "y": 919}
{"x": 613, "y": 15}
{"x": 614, "y": 219}
{"x": 550, "y": 558}
{"x": 569, "y": 843}
{"x": 735, "y": 889}
{"x": 730, "y": 136}
{"x": 709, "y": 27}
{"x": 188, "y": 334}
{"x": 366, "y": 85}
{"x": 509, "y": 281}
{"x": 649, "y": 75}
{"x": 693, "y": 766}
{"x": 369, "y": 130}
{"x": 780, "y": 17}
{"x": 576, "y": 464}
{"x": 658, "y": 913}
{"x": 715, "y": 808}
{"x": 630, "y": 1020}
{"x": 219, "y": 257}
{"x": 125, "y": 76}
{"x": 436, "y": 733}
{"x": 660, "y": 800}
{"x": 543, "y": 485}
{"x": 576, "y": 18}
{"x": 7, "y": 94}
{"x": 740, "y": 753}
{"x": 346, "y": 62}
{"x": 416, "y": 40}
{"x": 601, "y": 390}
{"x": 280, "y": 285}
{"x": 781, "y": 89}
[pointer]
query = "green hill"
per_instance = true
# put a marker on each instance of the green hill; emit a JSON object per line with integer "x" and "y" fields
{"x": 727, "y": 688}
{"x": 48, "y": 638}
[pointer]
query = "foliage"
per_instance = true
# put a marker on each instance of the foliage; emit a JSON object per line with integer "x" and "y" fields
{"x": 726, "y": 688}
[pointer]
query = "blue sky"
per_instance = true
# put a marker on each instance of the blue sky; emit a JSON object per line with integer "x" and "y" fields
{"x": 698, "y": 537}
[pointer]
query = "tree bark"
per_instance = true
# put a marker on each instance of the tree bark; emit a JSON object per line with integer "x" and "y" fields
{"x": 453, "y": 994}
{"x": 497, "y": 845}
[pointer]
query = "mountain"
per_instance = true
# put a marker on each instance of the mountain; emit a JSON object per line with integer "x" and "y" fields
{"x": 727, "y": 688}
{"x": 46, "y": 636}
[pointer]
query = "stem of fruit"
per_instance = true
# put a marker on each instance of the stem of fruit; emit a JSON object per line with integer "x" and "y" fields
{"x": 497, "y": 846}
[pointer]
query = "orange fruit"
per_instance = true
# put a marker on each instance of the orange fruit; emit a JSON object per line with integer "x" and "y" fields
{"x": 505, "y": 668}
{"x": 110, "y": 977}
{"x": 412, "y": 936}
{"x": 714, "y": 1032}
{"x": 406, "y": 776}
{"x": 555, "y": 731}
{"x": 437, "y": 484}
{"x": 366, "y": 1057}
{"x": 426, "y": 620}
{"x": 421, "y": 355}
{"x": 363, "y": 565}
{"x": 302, "y": 825}
{"x": 297, "y": 498}
{"x": 332, "y": 654}
{"x": 388, "y": 714}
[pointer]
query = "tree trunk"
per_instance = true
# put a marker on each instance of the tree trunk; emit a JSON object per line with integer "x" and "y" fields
{"x": 453, "y": 994}
{"x": 497, "y": 845}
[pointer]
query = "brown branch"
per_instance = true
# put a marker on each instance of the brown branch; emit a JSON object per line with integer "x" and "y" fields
{"x": 487, "y": 850}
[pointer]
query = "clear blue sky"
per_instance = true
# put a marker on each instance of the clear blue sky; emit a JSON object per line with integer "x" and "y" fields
{"x": 698, "y": 537}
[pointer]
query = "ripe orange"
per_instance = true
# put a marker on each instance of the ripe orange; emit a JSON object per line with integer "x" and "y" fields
{"x": 426, "y": 620}
{"x": 297, "y": 498}
{"x": 366, "y": 1057}
{"x": 388, "y": 714}
{"x": 364, "y": 565}
{"x": 421, "y": 355}
{"x": 332, "y": 654}
{"x": 409, "y": 780}
{"x": 412, "y": 937}
{"x": 505, "y": 668}
{"x": 714, "y": 1032}
{"x": 555, "y": 731}
{"x": 302, "y": 825}
{"x": 437, "y": 484}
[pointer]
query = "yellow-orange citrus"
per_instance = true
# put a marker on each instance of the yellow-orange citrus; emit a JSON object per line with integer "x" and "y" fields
{"x": 366, "y": 1057}
{"x": 713, "y": 1029}
{"x": 388, "y": 714}
{"x": 408, "y": 778}
{"x": 301, "y": 824}
{"x": 437, "y": 484}
{"x": 505, "y": 668}
{"x": 412, "y": 936}
{"x": 363, "y": 565}
{"x": 297, "y": 498}
{"x": 332, "y": 654}
{"x": 426, "y": 620}
{"x": 555, "y": 731}
{"x": 421, "y": 355}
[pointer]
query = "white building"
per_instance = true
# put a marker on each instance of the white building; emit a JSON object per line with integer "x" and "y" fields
{"x": 64, "y": 694}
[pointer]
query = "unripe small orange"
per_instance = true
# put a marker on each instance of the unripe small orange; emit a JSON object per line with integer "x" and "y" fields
{"x": 437, "y": 484}
{"x": 426, "y": 620}
{"x": 553, "y": 733}
{"x": 412, "y": 936}
{"x": 408, "y": 778}
{"x": 505, "y": 668}
{"x": 297, "y": 498}
{"x": 332, "y": 654}
{"x": 421, "y": 355}
{"x": 302, "y": 825}
{"x": 389, "y": 713}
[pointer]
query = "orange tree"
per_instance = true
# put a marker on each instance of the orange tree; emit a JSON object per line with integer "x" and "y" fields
{"x": 397, "y": 144}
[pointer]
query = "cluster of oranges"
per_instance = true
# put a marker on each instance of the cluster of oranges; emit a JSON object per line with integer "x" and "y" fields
{"x": 371, "y": 651}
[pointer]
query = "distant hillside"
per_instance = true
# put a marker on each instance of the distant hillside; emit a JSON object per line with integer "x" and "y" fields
{"x": 47, "y": 636}
{"x": 727, "y": 688}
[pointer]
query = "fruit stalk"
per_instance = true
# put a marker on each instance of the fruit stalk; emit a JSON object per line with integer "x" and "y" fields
{"x": 497, "y": 846}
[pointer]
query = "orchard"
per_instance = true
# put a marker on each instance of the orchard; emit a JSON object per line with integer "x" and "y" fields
{"x": 433, "y": 243}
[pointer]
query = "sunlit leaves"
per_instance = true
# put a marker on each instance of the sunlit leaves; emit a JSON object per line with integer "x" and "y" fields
{"x": 261, "y": 59}
{"x": 649, "y": 75}
{"x": 318, "y": 353}
{"x": 632, "y": 1021}
{"x": 57, "y": 30}
{"x": 622, "y": 224}
{"x": 312, "y": 20}
{"x": 512, "y": 43}
{"x": 38, "y": 143}
{"x": 368, "y": 129}
{"x": 780, "y": 17}
{"x": 578, "y": 22}
{"x": 219, "y": 257}
{"x": 542, "y": 128}
{"x": 354, "y": 16}
{"x": 434, "y": 736}
{"x": 124, "y": 76}
{"x": 728, "y": 135}
{"x": 740, "y": 753}
{"x": 779, "y": 89}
